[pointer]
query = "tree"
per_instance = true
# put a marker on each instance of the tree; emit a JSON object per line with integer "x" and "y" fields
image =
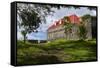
{"x": 82, "y": 31}
{"x": 24, "y": 34}
{"x": 85, "y": 17}
{"x": 31, "y": 16}
{"x": 82, "y": 26}
{"x": 67, "y": 25}
{"x": 30, "y": 22}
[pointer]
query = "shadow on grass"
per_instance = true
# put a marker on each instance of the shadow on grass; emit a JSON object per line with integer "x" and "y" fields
{"x": 39, "y": 59}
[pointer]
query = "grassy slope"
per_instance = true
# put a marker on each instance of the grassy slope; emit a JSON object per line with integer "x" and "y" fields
{"x": 56, "y": 51}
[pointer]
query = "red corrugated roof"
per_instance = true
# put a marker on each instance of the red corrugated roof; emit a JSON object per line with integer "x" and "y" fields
{"x": 73, "y": 19}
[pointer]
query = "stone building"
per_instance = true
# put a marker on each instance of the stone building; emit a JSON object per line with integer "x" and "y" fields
{"x": 57, "y": 30}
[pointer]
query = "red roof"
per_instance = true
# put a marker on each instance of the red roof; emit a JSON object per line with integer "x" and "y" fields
{"x": 56, "y": 24}
{"x": 72, "y": 18}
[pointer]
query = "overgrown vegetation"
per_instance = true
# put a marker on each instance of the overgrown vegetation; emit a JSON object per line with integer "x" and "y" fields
{"x": 56, "y": 51}
{"x": 82, "y": 32}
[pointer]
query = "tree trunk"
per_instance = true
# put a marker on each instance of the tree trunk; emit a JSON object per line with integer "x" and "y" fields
{"x": 24, "y": 39}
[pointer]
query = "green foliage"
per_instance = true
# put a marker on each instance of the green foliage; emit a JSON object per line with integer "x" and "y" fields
{"x": 31, "y": 16}
{"x": 67, "y": 25}
{"x": 85, "y": 17}
{"x": 82, "y": 32}
{"x": 30, "y": 20}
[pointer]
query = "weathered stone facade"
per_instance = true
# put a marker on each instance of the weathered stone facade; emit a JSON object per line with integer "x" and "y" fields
{"x": 57, "y": 30}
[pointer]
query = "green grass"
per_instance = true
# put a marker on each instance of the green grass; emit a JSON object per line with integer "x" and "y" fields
{"x": 56, "y": 51}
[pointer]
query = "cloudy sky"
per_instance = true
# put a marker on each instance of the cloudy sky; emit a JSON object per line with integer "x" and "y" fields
{"x": 59, "y": 13}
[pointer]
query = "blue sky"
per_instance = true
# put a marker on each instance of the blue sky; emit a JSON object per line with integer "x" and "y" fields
{"x": 42, "y": 34}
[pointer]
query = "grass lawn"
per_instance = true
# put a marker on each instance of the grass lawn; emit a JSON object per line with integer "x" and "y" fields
{"x": 56, "y": 52}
